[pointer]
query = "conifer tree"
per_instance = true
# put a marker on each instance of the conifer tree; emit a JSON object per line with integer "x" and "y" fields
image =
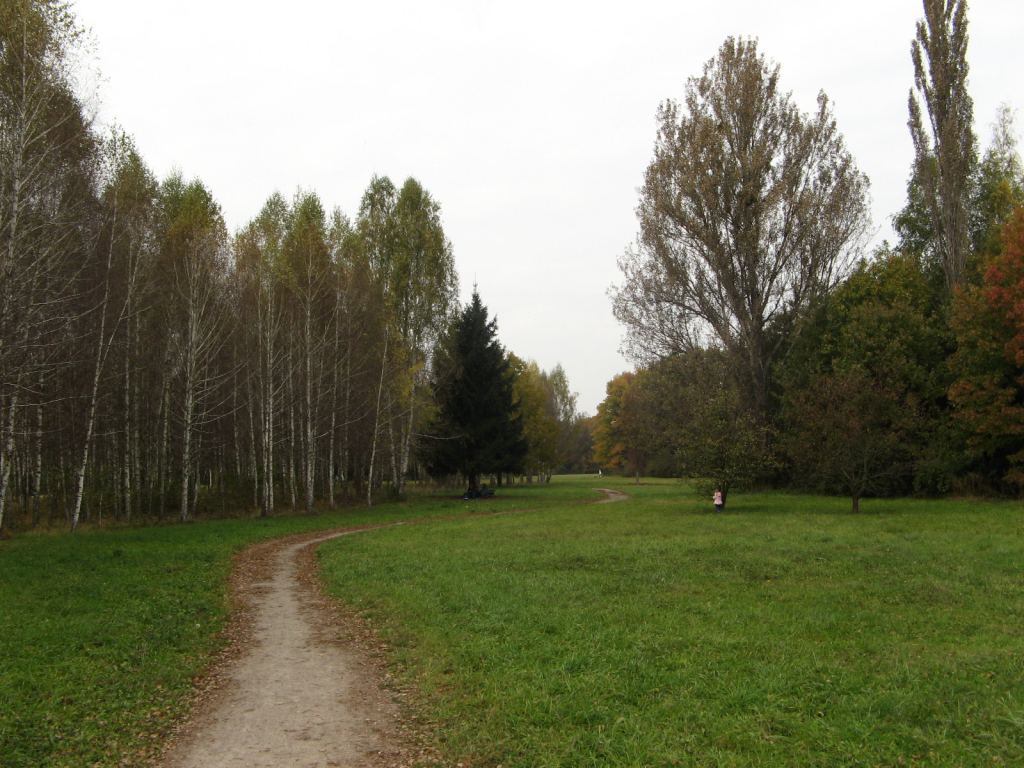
{"x": 478, "y": 428}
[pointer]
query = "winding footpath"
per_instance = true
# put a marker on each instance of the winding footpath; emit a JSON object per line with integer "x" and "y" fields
{"x": 294, "y": 696}
{"x": 291, "y": 694}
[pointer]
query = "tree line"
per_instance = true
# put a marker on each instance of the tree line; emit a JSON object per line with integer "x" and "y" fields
{"x": 769, "y": 350}
{"x": 154, "y": 364}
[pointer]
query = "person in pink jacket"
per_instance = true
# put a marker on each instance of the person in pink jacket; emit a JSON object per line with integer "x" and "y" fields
{"x": 717, "y": 499}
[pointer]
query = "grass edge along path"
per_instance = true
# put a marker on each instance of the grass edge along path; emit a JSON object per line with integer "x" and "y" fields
{"x": 785, "y": 632}
{"x": 105, "y": 634}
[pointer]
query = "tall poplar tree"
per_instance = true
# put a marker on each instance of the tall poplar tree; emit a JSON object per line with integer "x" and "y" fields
{"x": 945, "y": 148}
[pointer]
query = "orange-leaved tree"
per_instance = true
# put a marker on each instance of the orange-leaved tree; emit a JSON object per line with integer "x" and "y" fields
{"x": 988, "y": 393}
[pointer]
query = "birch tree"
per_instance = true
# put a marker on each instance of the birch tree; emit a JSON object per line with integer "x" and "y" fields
{"x": 308, "y": 275}
{"x": 123, "y": 255}
{"x": 258, "y": 256}
{"x": 46, "y": 203}
{"x": 376, "y": 228}
{"x": 422, "y": 288}
{"x": 192, "y": 267}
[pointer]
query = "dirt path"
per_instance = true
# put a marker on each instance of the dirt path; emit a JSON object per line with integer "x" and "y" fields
{"x": 292, "y": 696}
{"x": 287, "y": 693}
{"x": 611, "y": 496}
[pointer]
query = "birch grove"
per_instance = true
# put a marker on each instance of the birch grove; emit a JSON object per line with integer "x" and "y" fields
{"x": 194, "y": 372}
{"x": 155, "y": 365}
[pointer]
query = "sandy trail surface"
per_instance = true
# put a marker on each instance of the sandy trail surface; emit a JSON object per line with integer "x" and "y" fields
{"x": 294, "y": 696}
{"x": 611, "y": 496}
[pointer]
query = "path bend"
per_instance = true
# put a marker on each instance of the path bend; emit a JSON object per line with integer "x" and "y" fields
{"x": 288, "y": 693}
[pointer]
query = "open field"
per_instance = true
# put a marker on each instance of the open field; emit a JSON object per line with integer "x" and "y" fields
{"x": 647, "y": 632}
{"x": 786, "y": 632}
{"x": 101, "y": 633}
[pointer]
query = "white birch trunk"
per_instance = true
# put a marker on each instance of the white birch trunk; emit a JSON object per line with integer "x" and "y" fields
{"x": 186, "y": 445}
{"x": 403, "y": 464}
{"x": 7, "y": 454}
{"x": 253, "y": 462}
{"x": 37, "y": 471}
{"x": 291, "y": 434}
{"x": 394, "y": 446}
{"x": 376, "y": 422}
{"x": 162, "y": 474}
{"x": 101, "y": 347}
{"x": 310, "y": 415}
{"x": 267, "y": 396}
{"x": 126, "y": 476}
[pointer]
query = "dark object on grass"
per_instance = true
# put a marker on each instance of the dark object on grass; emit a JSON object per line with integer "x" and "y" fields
{"x": 483, "y": 492}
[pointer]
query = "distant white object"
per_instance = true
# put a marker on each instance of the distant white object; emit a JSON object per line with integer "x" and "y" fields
{"x": 599, "y": 472}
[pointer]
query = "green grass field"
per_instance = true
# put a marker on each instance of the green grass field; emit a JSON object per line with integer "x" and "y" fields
{"x": 786, "y": 632}
{"x": 646, "y": 632}
{"x": 101, "y": 633}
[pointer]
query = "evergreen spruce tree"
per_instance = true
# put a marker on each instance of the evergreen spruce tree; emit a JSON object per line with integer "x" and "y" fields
{"x": 478, "y": 426}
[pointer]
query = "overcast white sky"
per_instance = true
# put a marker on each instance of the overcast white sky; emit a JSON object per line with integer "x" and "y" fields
{"x": 530, "y": 122}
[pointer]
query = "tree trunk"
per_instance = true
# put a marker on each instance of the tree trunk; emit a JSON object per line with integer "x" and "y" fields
{"x": 291, "y": 437}
{"x": 186, "y": 447}
{"x": 188, "y": 406}
{"x": 239, "y": 473}
{"x": 310, "y": 415}
{"x": 403, "y": 464}
{"x": 268, "y": 421}
{"x": 395, "y": 482}
{"x": 7, "y": 453}
{"x": 134, "y": 438}
{"x": 348, "y": 402}
{"x": 330, "y": 452}
{"x": 162, "y": 473}
{"x": 90, "y": 421}
{"x": 331, "y": 456}
{"x": 126, "y": 402}
{"x": 101, "y": 348}
{"x": 376, "y": 422}
{"x": 253, "y": 462}
{"x": 37, "y": 471}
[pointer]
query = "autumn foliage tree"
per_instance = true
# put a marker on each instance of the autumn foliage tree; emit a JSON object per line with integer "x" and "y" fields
{"x": 750, "y": 210}
{"x": 988, "y": 394}
{"x": 536, "y": 399}
{"x": 619, "y": 437}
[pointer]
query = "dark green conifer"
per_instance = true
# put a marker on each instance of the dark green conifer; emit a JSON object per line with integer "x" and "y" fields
{"x": 478, "y": 429}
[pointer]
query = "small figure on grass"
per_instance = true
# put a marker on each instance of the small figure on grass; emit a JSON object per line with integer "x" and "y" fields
{"x": 717, "y": 499}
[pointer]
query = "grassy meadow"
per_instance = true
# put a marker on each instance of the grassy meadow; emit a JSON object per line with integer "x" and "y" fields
{"x": 102, "y": 632}
{"x": 785, "y": 632}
